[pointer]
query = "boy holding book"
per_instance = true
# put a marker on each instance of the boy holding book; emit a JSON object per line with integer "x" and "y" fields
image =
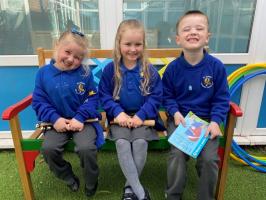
{"x": 196, "y": 81}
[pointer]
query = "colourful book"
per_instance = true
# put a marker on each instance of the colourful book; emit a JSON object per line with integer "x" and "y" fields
{"x": 191, "y": 138}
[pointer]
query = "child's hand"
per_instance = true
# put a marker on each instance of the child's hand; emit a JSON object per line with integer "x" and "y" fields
{"x": 122, "y": 119}
{"x": 75, "y": 125}
{"x": 61, "y": 125}
{"x": 135, "y": 122}
{"x": 178, "y": 117}
{"x": 214, "y": 130}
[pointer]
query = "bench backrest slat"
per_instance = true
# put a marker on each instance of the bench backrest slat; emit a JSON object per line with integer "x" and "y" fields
{"x": 44, "y": 54}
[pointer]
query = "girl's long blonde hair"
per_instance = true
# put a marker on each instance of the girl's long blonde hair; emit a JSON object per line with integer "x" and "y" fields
{"x": 145, "y": 73}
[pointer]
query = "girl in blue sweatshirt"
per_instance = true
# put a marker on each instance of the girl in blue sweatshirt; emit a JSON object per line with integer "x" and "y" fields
{"x": 66, "y": 97}
{"x": 196, "y": 81}
{"x": 130, "y": 92}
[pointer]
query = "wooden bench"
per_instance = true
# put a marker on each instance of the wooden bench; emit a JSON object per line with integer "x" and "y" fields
{"x": 27, "y": 150}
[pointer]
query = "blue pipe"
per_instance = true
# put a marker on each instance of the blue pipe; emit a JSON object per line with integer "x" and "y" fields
{"x": 236, "y": 148}
{"x": 243, "y": 79}
{"x": 261, "y": 169}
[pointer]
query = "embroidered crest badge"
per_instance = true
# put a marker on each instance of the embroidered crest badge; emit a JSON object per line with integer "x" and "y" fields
{"x": 207, "y": 81}
{"x": 80, "y": 88}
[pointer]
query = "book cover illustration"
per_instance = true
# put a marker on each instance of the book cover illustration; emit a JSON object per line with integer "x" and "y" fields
{"x": 190, "y": 139}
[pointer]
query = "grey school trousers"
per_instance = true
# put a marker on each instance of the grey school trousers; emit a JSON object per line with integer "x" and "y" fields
{"x": 206, "y": 166}
{"x": 53, "y": 147}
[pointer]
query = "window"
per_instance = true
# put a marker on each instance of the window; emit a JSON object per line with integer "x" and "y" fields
{"x": 230, "y": 21}
{"x": 14, "y": 28}
{"x": 26, "y": 25}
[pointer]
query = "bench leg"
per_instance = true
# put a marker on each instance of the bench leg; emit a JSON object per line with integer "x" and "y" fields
{"x": 24, "y": 175}
{"x": 228, "y": 133}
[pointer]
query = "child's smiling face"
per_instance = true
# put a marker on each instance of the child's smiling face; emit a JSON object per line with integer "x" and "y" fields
{"x": 193, "y": 32}
{"x": 131, "y": 46}
{"x": 68, "y": 55}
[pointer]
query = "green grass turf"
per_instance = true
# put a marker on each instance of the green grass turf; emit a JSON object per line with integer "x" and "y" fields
{"x": 242, "y": 183}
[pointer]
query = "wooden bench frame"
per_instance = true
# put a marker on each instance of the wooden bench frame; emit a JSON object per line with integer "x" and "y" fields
{"x": 27, "y": 150}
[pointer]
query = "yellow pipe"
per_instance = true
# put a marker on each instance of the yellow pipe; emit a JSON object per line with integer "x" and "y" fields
{"x": 239, "y": 71}
{"x": 242, "y": 161}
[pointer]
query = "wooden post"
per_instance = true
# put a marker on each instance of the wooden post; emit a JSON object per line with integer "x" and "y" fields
{"x": 41, "y": 58}
{"x": 24, "y": 175}
{"x": 229, "y": 132}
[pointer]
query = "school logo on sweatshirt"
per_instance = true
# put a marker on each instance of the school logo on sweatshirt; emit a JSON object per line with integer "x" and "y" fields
{"x": 80, "y": 88}
{"x": 206, "y": 82}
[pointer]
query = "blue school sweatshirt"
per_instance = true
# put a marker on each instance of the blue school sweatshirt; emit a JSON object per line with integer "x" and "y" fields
{"x": 202, "y": 89}
{"x": 68, "y": 94}
{"x": 131, "y": 99}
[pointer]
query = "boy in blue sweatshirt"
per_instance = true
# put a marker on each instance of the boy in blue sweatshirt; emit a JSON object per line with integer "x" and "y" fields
{"x": 197, "y": 82}
{"x": 65, "y": 96}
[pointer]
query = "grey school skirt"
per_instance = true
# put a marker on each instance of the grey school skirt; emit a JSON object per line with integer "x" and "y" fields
{"x": 143, "y": 132}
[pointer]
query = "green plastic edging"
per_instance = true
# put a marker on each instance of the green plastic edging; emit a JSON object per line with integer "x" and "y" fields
{"x": 35, "y": 144}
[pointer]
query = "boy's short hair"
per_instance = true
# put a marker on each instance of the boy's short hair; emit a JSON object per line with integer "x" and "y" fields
{"x": 190, "y": 12}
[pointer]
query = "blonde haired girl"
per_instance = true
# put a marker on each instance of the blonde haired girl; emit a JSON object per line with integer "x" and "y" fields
{"x": 125, "y": 25}
{"x": 131, "y": 92}
{"x": 65, "y": 96}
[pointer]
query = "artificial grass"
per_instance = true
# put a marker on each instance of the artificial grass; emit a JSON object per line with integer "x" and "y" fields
{"x": 242, "y": 182}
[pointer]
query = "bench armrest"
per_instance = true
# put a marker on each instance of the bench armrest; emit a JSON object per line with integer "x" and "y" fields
{"x": 235, "y": 109}
{"x": 15, "y": 109}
